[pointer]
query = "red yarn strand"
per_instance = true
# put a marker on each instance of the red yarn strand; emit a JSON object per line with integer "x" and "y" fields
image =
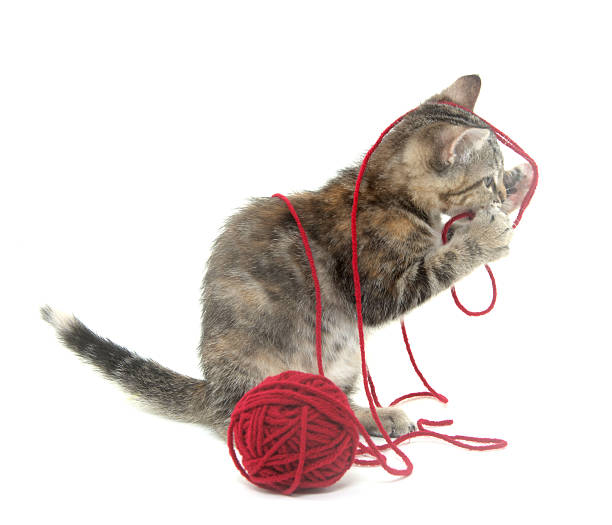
{"x": 358, "y": 305}
{"x": 469, "y": 215}
{"x": 373, "y": 390}
{"x": 302, "y": 457}
{"x": 431, "y": 391}
{"x": 315, "y": 279}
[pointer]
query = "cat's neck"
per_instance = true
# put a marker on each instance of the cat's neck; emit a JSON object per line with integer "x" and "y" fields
{"x": 374, "y": 192}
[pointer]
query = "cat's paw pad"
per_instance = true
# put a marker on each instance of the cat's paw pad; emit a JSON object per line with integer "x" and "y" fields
{"x": 517, "y": 182}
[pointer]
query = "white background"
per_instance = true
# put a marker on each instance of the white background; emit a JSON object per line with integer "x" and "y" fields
{"x": 130, "y": 130}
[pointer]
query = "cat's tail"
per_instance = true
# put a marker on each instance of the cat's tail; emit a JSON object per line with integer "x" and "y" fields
{"x": 166, "y": 392}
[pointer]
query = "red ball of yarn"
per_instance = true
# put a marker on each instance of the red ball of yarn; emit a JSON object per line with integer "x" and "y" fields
{"x": 293, "y": 431}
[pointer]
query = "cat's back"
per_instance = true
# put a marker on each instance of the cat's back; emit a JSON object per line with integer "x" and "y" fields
{"x": 256, "y": 233}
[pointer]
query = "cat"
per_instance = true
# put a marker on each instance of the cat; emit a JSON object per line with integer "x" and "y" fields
{"x": 258, "y": 297}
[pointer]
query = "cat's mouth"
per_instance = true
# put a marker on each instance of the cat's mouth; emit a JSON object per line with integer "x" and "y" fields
{"x": 516, "y": 182}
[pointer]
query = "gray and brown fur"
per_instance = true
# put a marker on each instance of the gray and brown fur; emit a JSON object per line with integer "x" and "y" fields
{"x": 258, "y": 297}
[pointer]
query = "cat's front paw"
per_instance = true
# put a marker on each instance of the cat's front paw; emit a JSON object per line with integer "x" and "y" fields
{"x": 517, "y": 182}
{"x": 491, "y": 232}
{"x": 394, "y": 421}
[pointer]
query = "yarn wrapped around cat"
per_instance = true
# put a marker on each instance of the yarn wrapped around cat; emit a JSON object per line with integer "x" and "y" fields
{"x": 297, "y": 430}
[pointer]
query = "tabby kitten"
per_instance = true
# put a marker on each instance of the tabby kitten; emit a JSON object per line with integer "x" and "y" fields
{"x": 258, "y": 298}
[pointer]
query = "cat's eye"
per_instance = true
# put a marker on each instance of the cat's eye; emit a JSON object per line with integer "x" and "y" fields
{"x": 488, "y": 181}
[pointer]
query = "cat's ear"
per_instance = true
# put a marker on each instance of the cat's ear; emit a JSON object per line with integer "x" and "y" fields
{"x": 458, "y": 141}
{"x": 464, "y": 92}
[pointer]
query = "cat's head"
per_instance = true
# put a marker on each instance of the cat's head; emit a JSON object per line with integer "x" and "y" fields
{"x": 448, "y": 160}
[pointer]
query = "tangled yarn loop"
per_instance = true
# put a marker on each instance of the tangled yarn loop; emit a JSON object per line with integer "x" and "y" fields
{"x": 294, "y": 430}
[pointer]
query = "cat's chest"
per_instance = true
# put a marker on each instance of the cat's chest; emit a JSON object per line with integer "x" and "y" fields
{"x": 342, "y": 357}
